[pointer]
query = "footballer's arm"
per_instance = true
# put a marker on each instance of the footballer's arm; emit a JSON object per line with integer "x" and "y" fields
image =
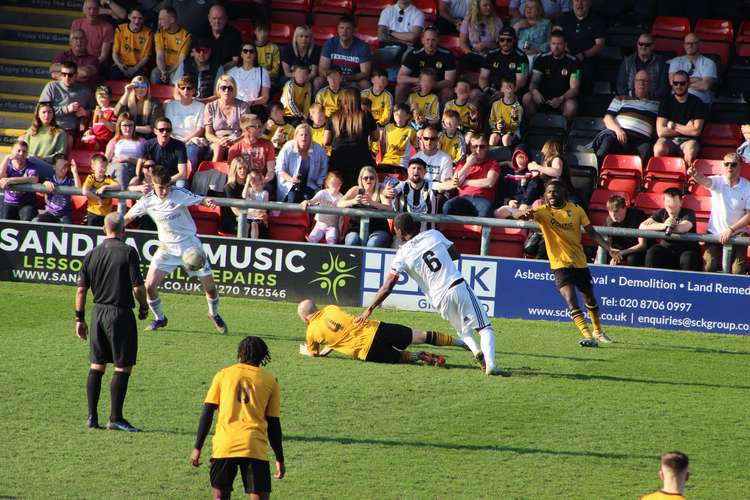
{"x": 454, "y": 253}
{"x": 382, "y": 294}
{"x": 274, "y": 439}
{"x": 204, "y": 426}
{"x": 594, "y": 235}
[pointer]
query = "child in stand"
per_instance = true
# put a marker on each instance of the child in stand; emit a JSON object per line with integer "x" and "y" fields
{"x": 328, "y": 96}
{"x": 59, "y": 207}
{"x": 451, "y": 140}
{"x": 277, "y": 130}
{"x": 461, "y": 105}
{"x": 297, "y": 94}
{"x": 102, "y": 120}
{"x": 397, "y": 142}
{"x": 515, "y": 177}
{"x": 424, "y": 104}
{"x": 318, "y": 126}
{"x": 257, "y": 218}
{"x": 381, "y": 100}
{"x": 268, "y": 53}
{"x": 505, "y": 117}
{"x": 94, "y": 187}
{"x": 325, "y": 224}
{"x": 143, "y": 184}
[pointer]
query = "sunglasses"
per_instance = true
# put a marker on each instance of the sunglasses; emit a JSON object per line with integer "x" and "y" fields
{"x": 505, "y": 39}
{"x": 400, "y": 15}
{"x": 126, "y": 125}
{"x": 186, "y": 88}
{"x": 147, "y": 165}
{"x": 226, "y": 88}
{"x": 479, "y": 146}
{"x": 679, "y": 83}
{"x": 65, "y": 74}
{"x": 202, "y": 51}
{"x": 731, "y": 164}
{"x": 433, "y": 138}
{"x": 368, "y": 178}
{"x": 164, "y": 130}
{"x": 641, "y": 44}
{"x": 248, "y": 51}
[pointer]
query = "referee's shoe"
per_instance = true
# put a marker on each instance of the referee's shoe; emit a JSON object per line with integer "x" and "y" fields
{"x": 122, "y": 425}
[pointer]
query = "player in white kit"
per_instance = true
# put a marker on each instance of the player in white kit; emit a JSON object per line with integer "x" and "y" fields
{"x": 168, "y": 207}
{"x": 427, "y": 257}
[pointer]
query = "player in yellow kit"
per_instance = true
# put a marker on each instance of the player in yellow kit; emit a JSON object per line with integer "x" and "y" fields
{"x": 370, "y": 340}
{"x": 673, "y": 474}
{"x": 561, "y": 221}
{"x": 249, "y": 403}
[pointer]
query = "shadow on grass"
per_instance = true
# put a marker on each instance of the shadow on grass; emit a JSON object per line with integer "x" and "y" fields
{"x": 551, "y": 356}
{"x": 672, "y": 347}
{"x": 209, "y": 331}
{"x": 462, "y": 447}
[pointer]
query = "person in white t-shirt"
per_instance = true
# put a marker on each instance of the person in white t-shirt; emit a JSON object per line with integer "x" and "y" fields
{"x": 399, "y": 25}
{"x": 168, "y": 207}
{"x": 253, "y": 80}
{"x": 438, "y": 163}
{"x": 427, "y": 257}
{"x": 730, "y": 212}
{"x": 186, "y": 115}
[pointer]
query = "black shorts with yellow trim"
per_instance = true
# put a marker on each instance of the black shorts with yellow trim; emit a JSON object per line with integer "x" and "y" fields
{"x": 255, "y": 473}
{"x": 390, "y": 339}
{"x": 579, "y": 277}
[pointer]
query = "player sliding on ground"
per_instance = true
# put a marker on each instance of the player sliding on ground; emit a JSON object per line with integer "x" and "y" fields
{"x": 427, "y": 257}
{"x": 368, "y": 340}
{"x": 561, "y": 221}
{"x": 168, "y": 207}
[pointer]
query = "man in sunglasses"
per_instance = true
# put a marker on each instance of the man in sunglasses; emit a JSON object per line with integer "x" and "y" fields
{"x": 168, "y": 151}
{"x": 399, "y": 27}
{"x": 201, "y": 68}
{"x": 700, "y": 69}
{"x": 506, "y": 62}
{"x": 643, "y": 59}
{"x": 71, "y": 100}
{"x": 476, "y": 180}
{"x": 680, "y": 121}
{"x": 730, "y": 212}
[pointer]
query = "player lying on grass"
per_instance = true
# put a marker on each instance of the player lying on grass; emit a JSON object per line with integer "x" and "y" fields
{"x": 427, "y": 257}
{"x": 561, "y": 221}
{"x": 373, "y": 341}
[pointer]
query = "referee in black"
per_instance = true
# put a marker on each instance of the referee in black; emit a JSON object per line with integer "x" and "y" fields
{"x": 112, "y": 271}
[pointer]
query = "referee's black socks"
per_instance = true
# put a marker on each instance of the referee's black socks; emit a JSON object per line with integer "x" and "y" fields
{"x": 93, "y": 388}
{"x": 118, "y": 388}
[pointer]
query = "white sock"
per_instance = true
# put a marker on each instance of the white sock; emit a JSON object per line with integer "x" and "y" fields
{"x": 155, "y": 306}
{"x": 487, "y": 339}
{"x": 213, "y": 305}
{"x": 468, "y": 338}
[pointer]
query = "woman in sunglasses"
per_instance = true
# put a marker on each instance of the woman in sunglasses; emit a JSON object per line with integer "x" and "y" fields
{"x": 123, "y": 150}
{"x": 222, "y": 117}
{"x": 44, "y": 137}
{"x": 137, "y": 101}
{"x": 368, "y": 194}
{"x": 186, "y": 114}
{"x": 253, "y": 81}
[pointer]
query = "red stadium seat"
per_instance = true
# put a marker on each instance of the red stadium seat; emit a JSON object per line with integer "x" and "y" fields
{"x": 207, "y": 220}
{"x": 664, "y": 172}
{"x": 429, "y": 7}
{"x": 339, "y": 7}
{"x": 369, "y": 35}
{"x": 745, "y": 171}
{"x": 79, "y": 207}
{"x": 621, "y": 173}
{"x": 670, "y": 27}
{"x": 707, "y": 168}
{"x": 281, "y": 33}
{"x": 371, "y": 8}
{"x": 221, "y": 166}
{"x": 466, "y": 237}
{"x": 501, "y": 7}
{"x": 367, "y": 21}
{"x": 716, "y": 152}
{"x": 669, "y": 45}
{"x": 323, "y": 33}
{"x": 118, "y": 88}
{"x": 288, "y": 226}
{"x": 649, "y": 202}
{"x": 83, "y": 161}
{"x": 719, "y": 49}
{"x": 721, "y": 134}
{"x": 743, "y": 34}
{"x": 716, "y": 30}
{"x": 451, "y": 42}
{"x": 290, "y": 11}
{"x": 701, "y": 205}
{"x": 507, "y": 241}
{"x": 245, "y": 27}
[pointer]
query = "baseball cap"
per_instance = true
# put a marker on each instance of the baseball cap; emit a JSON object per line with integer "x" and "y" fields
{"x": 507, "y": 31}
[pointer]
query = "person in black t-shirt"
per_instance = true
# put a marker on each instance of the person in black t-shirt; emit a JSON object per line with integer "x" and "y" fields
{"x": 112, "y": 272}
{"x": 555, "y": 80}
{"x": 680, "y": 121}
{"x": 585, "y": 33}
{"x": 504, "y": 63}
{"x": 429, "y": 56}
{"x": 225, "y": 40}
{"x": 673, "y": 219}
{"x": 632, "y": 249}
{"x": 300, "y": 52}
{"x": 168, "y": 152}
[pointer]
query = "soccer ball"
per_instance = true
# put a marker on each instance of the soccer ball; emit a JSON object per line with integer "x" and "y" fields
{"x": 193, "y": 259}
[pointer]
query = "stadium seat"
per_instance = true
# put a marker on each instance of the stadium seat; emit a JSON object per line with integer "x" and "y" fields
{"x": 548, "y": 121}
{"x": 371, "y": 8}
{"x": 339, "y": 7}
{"x": 507, "y": 241}
{"x": 245, "y": 27}
{"x": 707, "y": 168}
{"x": 500, "y": 153}
{"x": 501, "y": 7}
{"x": 669, "y": 47}
{"x": 716, "y": 152}
{"x": 83, "y": 161}
{"x": 451, "y": 42}
{"x": 321, "y": 34}
{"x": 281, "y": 33}
{"x": 721, "y": 134}
{"x": 670, "y": 27}
{"x": 429, "y": 7}
{"x": 716, "y": 30}
{"x": 207, "y": 220}
{"x": 162, "y": 91}
{"x": 577, "y": 159}
{"x": 598, "y": 211}
{"x": 466, "y": 237}
{"x": 621, "y": 173}
{"x": 369, "y": 21}
{"x": 221, "y": 166}
{"x": 701, "y": 205}
{"x": 743, "y": 34}
{"x": 716, "y": 50}
{"x": 649, "y": 202}
{"x": 79, "y": 207}
{"x": 664, "y": 172}
{"x": 290, "y": 11}
{"x": 288, "y": 226}
{"x": 369, "y": 35}
{"x": 587, "y": 126}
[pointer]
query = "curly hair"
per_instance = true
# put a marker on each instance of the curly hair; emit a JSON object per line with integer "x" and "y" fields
{"x": 253, "y": 351}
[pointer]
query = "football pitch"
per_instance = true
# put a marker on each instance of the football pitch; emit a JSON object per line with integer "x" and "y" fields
{"x": 569, "y": 423}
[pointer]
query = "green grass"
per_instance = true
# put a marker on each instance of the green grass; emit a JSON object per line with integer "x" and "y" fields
{"x": 569, "y": 423}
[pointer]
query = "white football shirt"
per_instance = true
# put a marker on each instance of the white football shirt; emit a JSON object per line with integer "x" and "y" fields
{"x": 174, "y": 224}
{"x": 439, "y": 165}
{"x": 426, "y": 260}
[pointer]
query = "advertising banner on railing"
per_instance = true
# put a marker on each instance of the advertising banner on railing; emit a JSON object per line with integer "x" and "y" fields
{"x": 46, "y": 253}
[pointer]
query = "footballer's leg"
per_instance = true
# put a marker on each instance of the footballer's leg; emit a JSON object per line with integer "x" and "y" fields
{"x": 93, "y": 390}
{"x": 212, "y": 299}
{"x": 568, "y": 294}
{"x": 154, "y": 278}
{"x": 435, "y": 338}
{"x": 593, "y": 308}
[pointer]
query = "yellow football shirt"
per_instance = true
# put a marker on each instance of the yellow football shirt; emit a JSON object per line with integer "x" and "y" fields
{"x": 464, "y": 113}
{"x": 455, "y": 146}
{"x": 246, "y": 395}
{"x": 335, "y": 328}
{"x": 328, "y": 99}
{"x": 131, "y": 47}
{"x": 318, "y": 136}
{"x": 382, "y": 106}
{"x": 92, "y": 184}
{"x": 399, "y": 144}
{"x": 174, "y": 45}
{"x": 561, "y": 228}
{"x": 272, "y": 130}
{"x": 296, "y": 99}
{"x": 428, "y": 105}
{"x": 660, "y": 495}
{"x": 268, "y": 57}
{"x": 504, "y": 112}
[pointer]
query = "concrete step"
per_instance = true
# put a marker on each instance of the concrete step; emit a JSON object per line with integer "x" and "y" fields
{"x": 16, "y": 103}
{"x": 24, "y": 68}
{"x": 15, "y": 120}
{"x": 43, "y": 5}
{"x": 22, "y": 85}
{"x": 42, "y": 18}
{"x": 30, "y": 51}
{"x": 9, "y": 135}
{"x": 33, "y": 34}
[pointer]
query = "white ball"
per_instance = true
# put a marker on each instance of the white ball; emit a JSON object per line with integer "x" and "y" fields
{"x": 193, "y": 259}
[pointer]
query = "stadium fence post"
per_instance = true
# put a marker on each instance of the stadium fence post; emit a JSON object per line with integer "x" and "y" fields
{"x": 242, "y": 224}
{"x": 485, "y": 242}
{"x": 364, "y": 230}
{"x": 726, "y": 258}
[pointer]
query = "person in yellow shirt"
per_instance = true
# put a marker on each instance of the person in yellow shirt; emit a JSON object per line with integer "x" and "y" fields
{"x": 172, "y": 45}
{"x": 268, "y": 52}
{"x": 94, "y": 187}
{"x": 451, "y": 140}
{"x": 397, "y": 142}
{"x": 381, "y": 100}
{"x": 328, "y": 96}
{"x": 332, "y": 328}
{"x": 296, "y": 94}
{"x": 425, "y": 104}
{"x": 505, "y": 116}
{"x": 673, "y": 475}
{"x": 320, "y": 132}
{"x": 462, "y": 105}
{"x": 249, "y": 402}
{"x": 561, "y": 221}
{"x": 132, "y": 48}
{"x": 277, "y": 130}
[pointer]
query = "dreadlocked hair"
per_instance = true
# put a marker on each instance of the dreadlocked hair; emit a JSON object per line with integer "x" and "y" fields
{"x": 253, "y": 350}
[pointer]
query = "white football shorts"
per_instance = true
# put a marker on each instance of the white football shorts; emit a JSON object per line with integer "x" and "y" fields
{"x": 461, "y": 308}
{"x": 169, "y": 257}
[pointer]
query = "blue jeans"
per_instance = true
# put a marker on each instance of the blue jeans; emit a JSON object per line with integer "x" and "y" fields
{"x": 379, "y": 239}
{"x": 468, "y": 204}
{"x": 196, "y": 154}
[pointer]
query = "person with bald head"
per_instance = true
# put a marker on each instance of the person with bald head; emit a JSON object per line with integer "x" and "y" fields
{"x": 644, "y": 58}
{"x": 99, "y": 33}
{"x": 88, "y": 65}
{"x": 700, "y": 69}
{"x": 225, "y": 41}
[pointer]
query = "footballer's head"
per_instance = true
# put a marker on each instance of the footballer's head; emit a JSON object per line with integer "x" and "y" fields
{"x": 555, "y": 193}
{"x": 253, "y": 351}
{"x": 160, "y": 179}
{"x": 405, "y": 227}
{"x": 305, "y": 309}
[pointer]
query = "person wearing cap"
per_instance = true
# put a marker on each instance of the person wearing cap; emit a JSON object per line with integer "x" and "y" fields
{"x": 172, "y": 45}
{"x": 505, "y": 62}
{"x": 428, "y": 56}
{"x": 202, "y": 69}
{"x": 132, "y": 49}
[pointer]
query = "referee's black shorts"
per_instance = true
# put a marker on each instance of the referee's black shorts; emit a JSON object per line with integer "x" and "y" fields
{"x": 255, "y": 473}
{"x": 114, "y": 336}
{"x": 579, "y": 277}
{"x": 390, "y": 339}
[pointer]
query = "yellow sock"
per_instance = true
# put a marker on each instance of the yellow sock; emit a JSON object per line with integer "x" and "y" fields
{"x": 595, "y": 321}
{"x": 439, "y": 339}
{"x": 405, "y": 357}
{"x": 580, "y": 322}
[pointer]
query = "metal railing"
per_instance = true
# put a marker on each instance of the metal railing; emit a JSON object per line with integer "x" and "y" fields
{"x": 365, "y": 216}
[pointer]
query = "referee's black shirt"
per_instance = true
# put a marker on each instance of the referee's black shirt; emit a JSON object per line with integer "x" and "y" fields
{"x": 111, "y": 270}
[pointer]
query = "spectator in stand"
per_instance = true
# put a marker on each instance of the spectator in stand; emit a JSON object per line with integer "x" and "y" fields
{"x": 237, "y": 178}
{"x": 142, "y": 107}
{"x": 95, "y": 185}
{"x": 71, "y": 101}
{"x": 476, "y": 180}
{"x": 276, "y": 129}
{"x": 584, "y": 32}
{"x": 673, "y": 475}
{"x": 551, "y": 8}
{"x": 680, "y": 121}
{"x": 253, "y": 81}
{"x": 142, "y": 181}
{"x": 327, "y": 225}
{"x": 124, "y": 149}
{"x": 730, "y": 212}
{"x": 350, "y": 54}
{"x": 168, "y": 151}
{"x": 441, "y": 60}
{"x": 132, "y": 48}
{"x": 644, "y": 59}
{"x": 479, "y": 32}
{"x": 297, "y": 95}
{"x": 451, "y": 14}
{"x": 15, "y": 169}
{"x": 533, "y": 30}
{"x": 399, "y": 27}
{"x": 381, "y": 100}
{"x": 438, "y": 164}
{"x": 555, "y": 81}
{"x": 268, "y": 54}
{"x": 630, "y": 122}
{"x": 222, "y": 117}
{"x": 257, "y": 218}
{"x": 632, "y": 249}
{"x": 452, "y": 140}
{"x": 553, "y": 167}
{"x": 328, "y": 96}
{"x": 186, "y": 114}
{"x": 202, "y": 69}
{"x": 301, "y": 167}
{"x": 256, "y": 150}
{"x": 673, "y": 219}
{"x": 700, "y": 69}
{"x": 351, "y": 130}
{"x": 44, "y": 138}
{"x": 368, "y": 194}
{"x": 88, "y": 65}
{"x": 744, "y": 149}
{"x": 102, "y": 126}
{"x": 191, "y": 14}
{"x": 171, "y": 44}
{"x": 301, "y": 52}
{"x": 225, "y": 40}
{"x": 398, "y": 141}
{"x": 417, "y": 194}
{"x": 506, "y": 62}
{"x": 506, "y": 116}
{"x": 424, "y": 103}
{"x": 58, "y": 208}
{"x": 99, "y": 33}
